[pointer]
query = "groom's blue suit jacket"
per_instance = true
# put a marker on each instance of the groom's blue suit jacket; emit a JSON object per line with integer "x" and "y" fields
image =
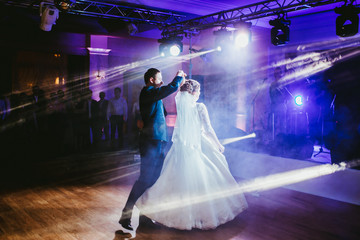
{"x": 152, "y": 109}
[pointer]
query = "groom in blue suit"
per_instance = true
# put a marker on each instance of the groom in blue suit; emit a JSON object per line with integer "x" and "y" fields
{"x": 153, "y": 137}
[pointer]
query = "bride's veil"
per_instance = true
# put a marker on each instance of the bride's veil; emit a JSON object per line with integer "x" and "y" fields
{"x": 187, "y": 126}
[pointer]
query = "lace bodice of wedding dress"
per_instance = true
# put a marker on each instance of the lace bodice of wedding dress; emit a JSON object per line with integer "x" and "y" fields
{"x": 204, "y": 117}
{"x": 206, "y": 128}
{"x": 195, "y": 188}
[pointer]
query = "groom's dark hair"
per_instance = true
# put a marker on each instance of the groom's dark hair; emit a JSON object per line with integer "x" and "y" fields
{"x": 150, "y": 73}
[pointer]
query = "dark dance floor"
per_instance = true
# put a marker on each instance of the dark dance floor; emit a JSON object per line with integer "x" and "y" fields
{"x": 81, "y": 197}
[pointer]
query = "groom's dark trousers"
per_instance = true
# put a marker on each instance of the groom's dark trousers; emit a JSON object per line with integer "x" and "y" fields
{"x": 152, "y": 159}
{"x": 152, "y": 139}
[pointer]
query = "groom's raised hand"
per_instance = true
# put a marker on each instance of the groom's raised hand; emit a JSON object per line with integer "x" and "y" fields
{"x": 181, "y": 73}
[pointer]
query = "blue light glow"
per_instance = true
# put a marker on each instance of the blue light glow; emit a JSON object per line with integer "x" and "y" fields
{"x": 299, "y": 100}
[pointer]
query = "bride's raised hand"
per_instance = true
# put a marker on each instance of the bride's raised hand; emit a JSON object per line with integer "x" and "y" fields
{"x": 181, "y": 73}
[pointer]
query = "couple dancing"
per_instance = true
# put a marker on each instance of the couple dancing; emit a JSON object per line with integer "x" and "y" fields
{"x": 189, "y": 187}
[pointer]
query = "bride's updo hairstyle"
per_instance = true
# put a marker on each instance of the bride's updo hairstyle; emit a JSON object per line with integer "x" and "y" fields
{"x": 190, "y": 86}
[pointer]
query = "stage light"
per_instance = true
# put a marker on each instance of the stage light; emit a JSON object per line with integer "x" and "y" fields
{"x": 222, "y": 39}
{"x": 64, "y": 5}
{"x": 49, "y": 14}
{"x": 241, "y": 39}
{"x": 170, "y": 46}
{"x": 175, "y": 50}
{"x": 170, "y": 49}
{"x": 298, "y": 100}
{"x": 347, "y": 24}
{"x": 280, "y": 33}
{"x": 132, "y": 29}
{"x": 242, "y": 34}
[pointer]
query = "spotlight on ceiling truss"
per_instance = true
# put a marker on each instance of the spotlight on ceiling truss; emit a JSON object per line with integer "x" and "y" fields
{"x": 171, "y": 46}
{"x": 65, "y": 5}
{"x": 347, "y": 24}
{"x": 222, "y": 39}
{"x": 242, "y": 34}
{"x": 280, "y": 33}
{"x": 132, "y": 28}
{"x": 49, "y": 14}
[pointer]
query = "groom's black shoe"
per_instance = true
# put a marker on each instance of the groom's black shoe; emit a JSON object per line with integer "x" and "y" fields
{"x": 125, "y": 223}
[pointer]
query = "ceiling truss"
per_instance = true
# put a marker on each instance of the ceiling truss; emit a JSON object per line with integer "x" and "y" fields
{"x": 134, "y": 14}
{"x": 170, "y": 23}
{"x": 245, "y": 13}
{"x": 103, "y": 9}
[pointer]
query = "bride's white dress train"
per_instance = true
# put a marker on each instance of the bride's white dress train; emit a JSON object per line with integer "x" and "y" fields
{"x": 195, "y": 188}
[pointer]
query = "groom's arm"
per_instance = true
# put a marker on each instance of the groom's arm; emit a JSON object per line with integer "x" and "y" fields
{"x": 164, "y": 91}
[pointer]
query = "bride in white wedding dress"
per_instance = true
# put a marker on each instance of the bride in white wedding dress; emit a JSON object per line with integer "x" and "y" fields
{"x": 195, "y": 188}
